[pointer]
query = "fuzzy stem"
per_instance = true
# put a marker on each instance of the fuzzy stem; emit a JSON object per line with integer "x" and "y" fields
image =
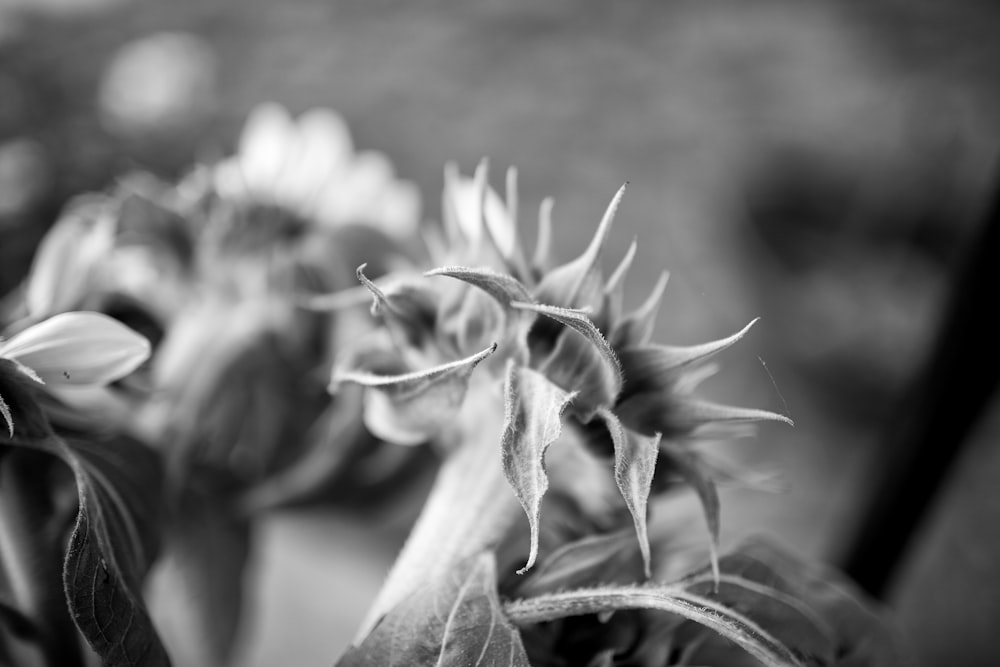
{"x": 469, "y": 509}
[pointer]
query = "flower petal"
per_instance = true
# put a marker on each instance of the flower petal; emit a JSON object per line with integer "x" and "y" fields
{"x": 532, "y": 422}
{"x": 635, "y": 463}
{"x": 479, "y": 212}
{"x": 636, "y": 328}
{"x": 66, "y": 260}
{"x": 409, "y": 408}
{"x": 267, "y": 137}
{"x": 78, "y": 348}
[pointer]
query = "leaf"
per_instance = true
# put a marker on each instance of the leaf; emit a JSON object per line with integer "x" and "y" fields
{"x": 532, "y": 422}
{"x": 112, "y": 548}
{"x": 790, "y": 620}
{"x": 673, "y": 599}
{"x": 411, "y": 407}
{"x": 204, "y": 561}
{"x": 78, "y": 348}
{"x": 115, "y": 539}
{"x": 7, "y": 417}
{"x": 455, "y": 621}
{"x": 697, "y": 474}
{"x": 578, "y": 283}
{"x": 635, "y": 462}
{"x": 859, "y": 627}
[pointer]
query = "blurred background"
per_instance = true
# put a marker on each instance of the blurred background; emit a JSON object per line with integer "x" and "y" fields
{"x": 822, "y": 165}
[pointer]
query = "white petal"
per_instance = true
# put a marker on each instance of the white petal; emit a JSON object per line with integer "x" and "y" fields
{"x": 469, "y": 207}
{"x": 264, "y": 147}
{"x": 65, "y": 261}
{"x": 78, "y": 348}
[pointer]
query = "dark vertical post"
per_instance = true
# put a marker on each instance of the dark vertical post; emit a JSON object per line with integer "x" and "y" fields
{"x": 935, "y": 418}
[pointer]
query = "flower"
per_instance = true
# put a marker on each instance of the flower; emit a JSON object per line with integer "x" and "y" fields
{"x": 76, "y": 349}
{"x": 558, "y": 351}
{"x": 308, "y": 165}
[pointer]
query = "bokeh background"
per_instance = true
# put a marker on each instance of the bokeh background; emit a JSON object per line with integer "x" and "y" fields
{"x": 821, "y": 165}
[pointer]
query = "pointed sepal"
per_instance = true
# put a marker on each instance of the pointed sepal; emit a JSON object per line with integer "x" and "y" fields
{"x": 635, "y": 463}
{"x": 532, "y": 422}
{"x": 410, "y": 408}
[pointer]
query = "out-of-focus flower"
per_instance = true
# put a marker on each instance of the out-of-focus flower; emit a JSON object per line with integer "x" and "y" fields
{"x": 557, "y": 350}
{"x": 76, "y": 349}
{"x": 308, "y": 165}
{"x": 159, "y": 84}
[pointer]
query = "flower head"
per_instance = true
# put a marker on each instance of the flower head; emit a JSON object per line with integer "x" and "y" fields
{"x": 556, "y": 349}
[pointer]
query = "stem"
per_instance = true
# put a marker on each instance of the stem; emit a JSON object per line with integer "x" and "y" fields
{"x": 470, "y": 508}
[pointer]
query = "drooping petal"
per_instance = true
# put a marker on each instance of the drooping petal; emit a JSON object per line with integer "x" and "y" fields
{"x": 78, "y": 348}
{"x": 635, "y": 463}
{"x": 411, "y": 407}
{"x": 578, "y": 283}
{"x": 636, "y": 328}
{"x": 533, "y": 421}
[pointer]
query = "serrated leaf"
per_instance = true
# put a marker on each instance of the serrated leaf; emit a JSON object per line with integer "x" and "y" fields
{"x": 578, "y": 283}
{"x": 635, "y": 463}
{"x": 456, "y": 621}
{"x": 78, "y": 348}
{"x": 695, "y": 473}
{"x": 115, "y": 539}
{"x": 532, "y": 422}
{"x": 411, "y": 407}
{"x": 112, "y": 548}
{"x": 673, "y": 599}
